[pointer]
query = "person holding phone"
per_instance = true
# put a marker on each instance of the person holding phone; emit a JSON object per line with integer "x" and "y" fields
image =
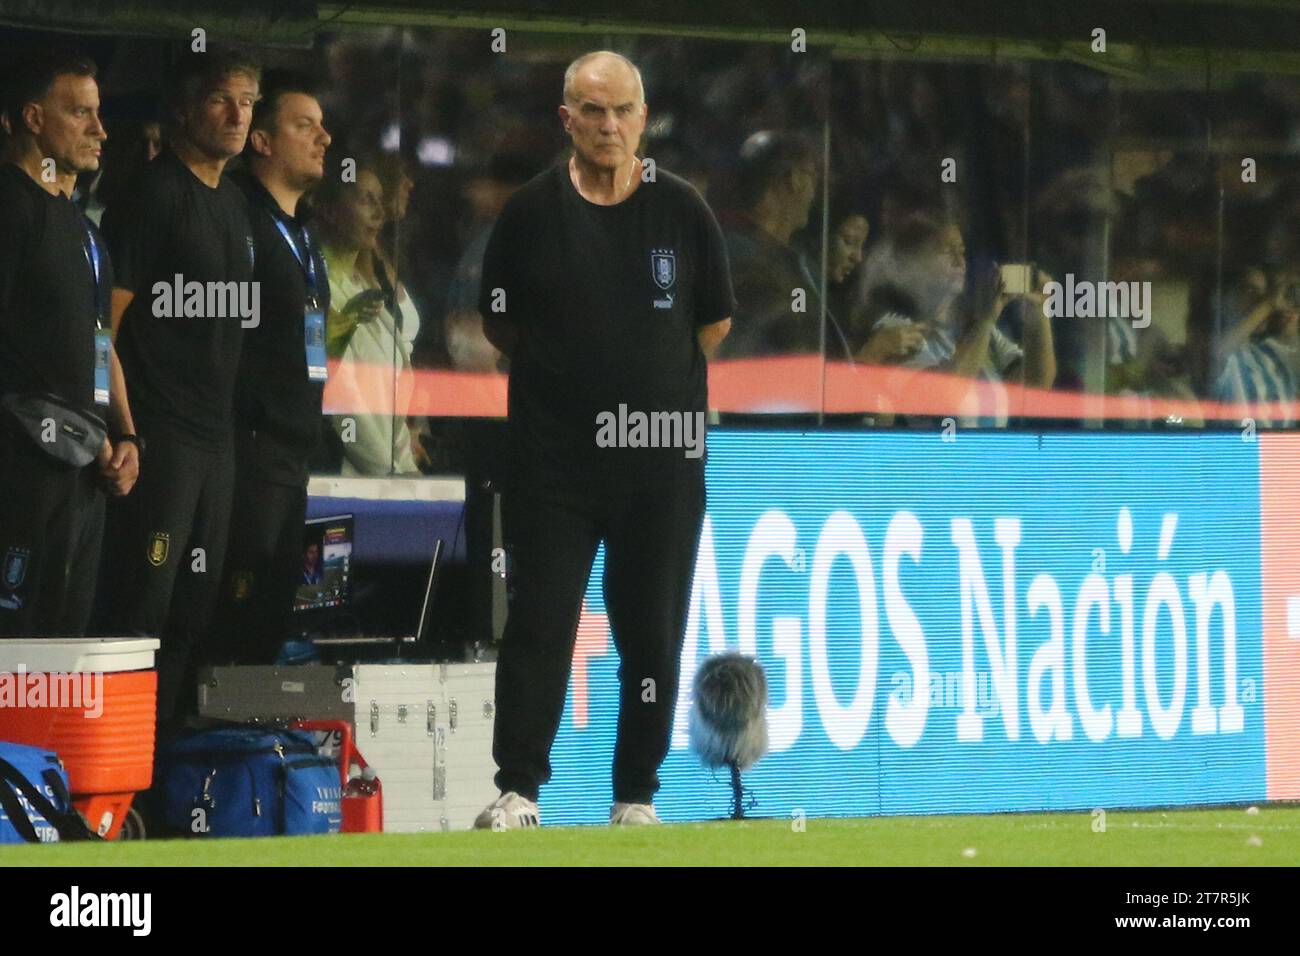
{"x": 928, "y": 292}
{"x": 371, "y": 329}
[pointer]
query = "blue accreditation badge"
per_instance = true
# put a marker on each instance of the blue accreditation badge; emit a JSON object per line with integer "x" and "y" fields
{"x": 314, "y": 336}
{"x": 103, "y": 343}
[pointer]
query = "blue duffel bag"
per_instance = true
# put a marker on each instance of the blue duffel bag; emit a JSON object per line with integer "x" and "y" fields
{"x": 247, "y": 782}
{"x": 35, "y": 806}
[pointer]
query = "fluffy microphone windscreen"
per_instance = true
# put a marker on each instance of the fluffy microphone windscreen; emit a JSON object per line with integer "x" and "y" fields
{"x": 728, "y": 721}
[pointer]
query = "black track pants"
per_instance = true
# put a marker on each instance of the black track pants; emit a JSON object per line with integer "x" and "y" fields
{"x": 165, "y": 546}
{"x": 552, "y": 534}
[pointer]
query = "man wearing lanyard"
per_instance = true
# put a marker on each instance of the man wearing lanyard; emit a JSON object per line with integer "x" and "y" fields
{"x": 54, "y": 349}
{"x": 117, "y": 481}
{"x": 181, "y": 226}
{"x": 281, "y": 378}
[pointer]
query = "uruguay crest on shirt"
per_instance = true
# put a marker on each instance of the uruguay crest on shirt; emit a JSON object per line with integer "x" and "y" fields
{"x": 663, "y": 267}
{"x": 14, "y": 571}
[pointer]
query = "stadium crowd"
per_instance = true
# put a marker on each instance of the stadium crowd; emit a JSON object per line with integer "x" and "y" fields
{"x": 866, "y": 207}
{"x": 1054, "y": 164}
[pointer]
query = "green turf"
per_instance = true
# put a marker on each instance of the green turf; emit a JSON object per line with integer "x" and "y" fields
{"x": 1174, "y": 838}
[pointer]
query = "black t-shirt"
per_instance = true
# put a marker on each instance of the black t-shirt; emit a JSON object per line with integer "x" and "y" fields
{"x": 180, "y": 371}
{"x": 274, "y": 396}
{"x": 48, "y": 311}
{"x": 607, "y": 301}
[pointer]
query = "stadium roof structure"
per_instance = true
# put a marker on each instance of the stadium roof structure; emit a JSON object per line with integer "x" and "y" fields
{"x": 1233, "y": 34}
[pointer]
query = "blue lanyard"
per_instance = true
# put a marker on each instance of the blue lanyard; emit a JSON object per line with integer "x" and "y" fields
{"x": 308, "y": 262}
{"x": 91, "y": 249}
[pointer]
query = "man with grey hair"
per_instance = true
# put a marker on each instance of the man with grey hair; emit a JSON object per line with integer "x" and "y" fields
{"x": 571, "y": 73}
{"x": 608, "y": 287}
{"x": 181, "y": 218}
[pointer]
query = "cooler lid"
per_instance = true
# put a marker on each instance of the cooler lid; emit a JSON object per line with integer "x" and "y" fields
{"x": 105, "y": 655}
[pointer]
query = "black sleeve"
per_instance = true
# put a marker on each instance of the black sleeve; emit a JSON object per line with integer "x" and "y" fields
{"x": 16, "y": 235}
{"x": 714, "y": 298}
{"x": 138, "y": 228}
{"x": 497, "y": 273}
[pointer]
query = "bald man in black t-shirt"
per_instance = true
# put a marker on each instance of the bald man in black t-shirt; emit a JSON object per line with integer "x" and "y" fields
{"x": 607, "y": 288}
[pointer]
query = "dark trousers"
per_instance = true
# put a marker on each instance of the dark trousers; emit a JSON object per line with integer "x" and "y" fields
{"x": 88, "y": 545}
{"x": 552, "y": 533}
{"x": 156, "y": 583}
{"x": 46, "y": 508}
{"x": 263, "y": 567}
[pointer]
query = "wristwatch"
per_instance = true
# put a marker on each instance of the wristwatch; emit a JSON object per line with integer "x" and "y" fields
{"x": 135, "y": 440}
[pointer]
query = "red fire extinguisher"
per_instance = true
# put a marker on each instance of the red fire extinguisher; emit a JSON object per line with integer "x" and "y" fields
{"x": 363, "y": 796}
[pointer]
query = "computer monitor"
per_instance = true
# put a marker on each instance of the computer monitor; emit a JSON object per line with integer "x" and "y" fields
{"x": 325, "y": 579}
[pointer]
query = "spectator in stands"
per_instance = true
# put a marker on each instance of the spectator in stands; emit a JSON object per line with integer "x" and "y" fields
{"x": 1158, "y": 368}
{"x": 1145, "y": 363}
{"x": 960, "y": 333}
{"x": 899, "y": 200}
{"x": 370, "y": 328}
{"x": 1258, "y": 356}
{"x": 131, "y": 146}
{"x": 463, "y": 325}
{"x": 396, "y": 182}
{"x": 778, "y": 178}
{"x": 847, "y": 235}
{"x": 1076, "y": 219}
{"x": 778, "y": 182}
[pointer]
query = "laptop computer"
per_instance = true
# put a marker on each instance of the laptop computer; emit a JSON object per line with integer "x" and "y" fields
{"x": 327, "y": 611}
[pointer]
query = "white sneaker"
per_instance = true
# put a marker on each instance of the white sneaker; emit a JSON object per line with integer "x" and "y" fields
{"x": 633, "y": 814}
{"x": 509, "y": 811}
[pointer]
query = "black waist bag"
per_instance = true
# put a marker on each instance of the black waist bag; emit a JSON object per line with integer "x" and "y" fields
{"x": 59, "y": 429}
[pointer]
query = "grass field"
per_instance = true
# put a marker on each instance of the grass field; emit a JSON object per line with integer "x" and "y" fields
{"x": 1230, "y": 837}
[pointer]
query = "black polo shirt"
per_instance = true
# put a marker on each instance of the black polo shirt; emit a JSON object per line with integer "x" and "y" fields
{"x": 48, "y": 312}
{"x": 274, "y": 396}
{"x": 180, "y": 371}
{"x": 607, "y": 301}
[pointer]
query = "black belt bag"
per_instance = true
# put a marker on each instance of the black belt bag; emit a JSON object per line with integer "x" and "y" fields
{"x": 64, "y": 432}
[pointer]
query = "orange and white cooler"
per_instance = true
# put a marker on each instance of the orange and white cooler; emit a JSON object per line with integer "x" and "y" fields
{"x": 92, "y": 701}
